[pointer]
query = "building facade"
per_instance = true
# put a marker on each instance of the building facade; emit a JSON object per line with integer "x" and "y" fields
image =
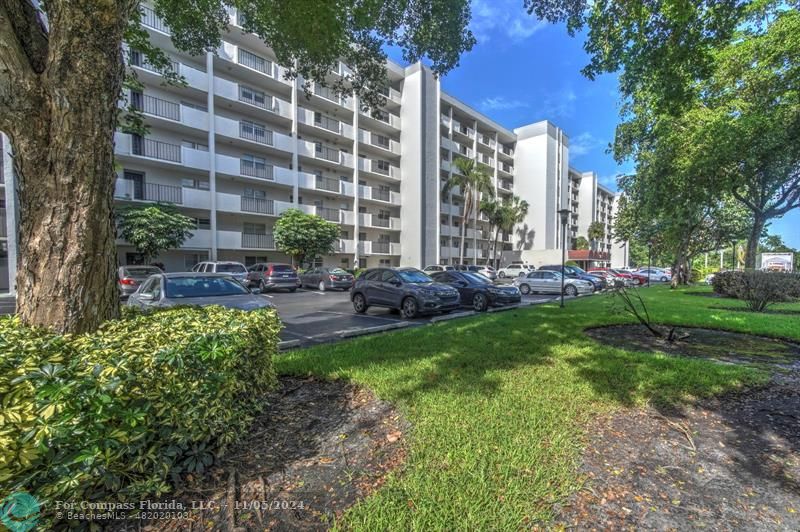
{"x": 239, "y": 144}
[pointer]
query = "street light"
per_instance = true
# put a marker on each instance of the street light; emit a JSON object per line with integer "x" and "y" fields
{"x": 564, "y": 214}
{"x": 649, "y": 261}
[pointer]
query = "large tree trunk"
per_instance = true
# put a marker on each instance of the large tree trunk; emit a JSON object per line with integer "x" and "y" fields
{"x": 62, "y": 137}
{"x": 495, "y": 258}
{"x": 752, "y": 243}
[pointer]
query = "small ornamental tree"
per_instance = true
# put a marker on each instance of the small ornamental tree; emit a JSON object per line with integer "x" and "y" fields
{"x": 581, "y": 243}
{"x": 596, "y": 231}
{"x": 302, "y": 235}
{"x": 154, "y": 229}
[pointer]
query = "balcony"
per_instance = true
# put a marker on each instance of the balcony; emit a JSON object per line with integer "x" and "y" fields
{"x": 258, "y": 205}
{"x": 131, "y": 190}
{"x": 153, "y": 21}
{"x": 384, "y": 117}
{"x": 382, "y": 248}
{"x": 505, "y": 185}
{"x": 156, "y": 106}
{"x": 505, "y": 167}
{"x": 155, "y": 149}
{"x": 391, "y": 94}
{"x": 379, "y": 194}
{"x": 486, "y": 140}
{"x": 327, "y": 153}
{"x": 505, "y": 150}
{"x": 327, "y": 93}
{"x": 328, "y": 183}
{"x": 255, "y": 169}
{"x": 327, "y": 213}
{"x": 258, "y": 240}
{"x": 255, "y": 132}
{"x": 485, "y": 159}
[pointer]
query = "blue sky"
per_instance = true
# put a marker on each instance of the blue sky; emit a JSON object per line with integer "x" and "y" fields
{"x": 523, "y": 70}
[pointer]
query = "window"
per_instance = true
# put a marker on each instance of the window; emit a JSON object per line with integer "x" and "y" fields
{"x": 254, "y": 193}
{"x": 344, "y": 234}
{"x": 382, "y": 165}
{"x": 253, "y": 96}
{"x": 374, "y": 275}
{"x": 254, "y": 228}
{"x": 385, "y": 262}
{"x": 190, "y": 260}
{"x": 134, "y": 259}
{"x": 194, "y": 106}
{"x": 194, "y": 183}
{"x": 202, "y": 223}
{"x": 194, "y": 145}
{"x": 250, "y": 260}
{"x": 345, "y": 262}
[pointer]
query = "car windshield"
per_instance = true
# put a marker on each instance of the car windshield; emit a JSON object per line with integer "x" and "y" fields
{"x": 476, "y": 278}
{"x": 181, "y": 287}
{"x": 141, "y": 270}
{"x": 282, "y": 268}
{"x": 231, "y": 268}
{"x": 413, "y": 276}
{"x": 338, "y": 271}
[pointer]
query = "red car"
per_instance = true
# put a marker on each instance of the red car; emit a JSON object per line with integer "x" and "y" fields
{"x": 637, "y": 279}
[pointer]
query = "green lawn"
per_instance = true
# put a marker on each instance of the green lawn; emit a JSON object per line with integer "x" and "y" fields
{"x": 497, "y": 402}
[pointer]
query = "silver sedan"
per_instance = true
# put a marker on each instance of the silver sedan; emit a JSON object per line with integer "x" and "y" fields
{"x": 549, "y": 282}
{"x": 171, "y": 289}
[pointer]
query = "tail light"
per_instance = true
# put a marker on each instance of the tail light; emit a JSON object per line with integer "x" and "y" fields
{"x": 332, "y": 278}
{"x": 127, "y": 281}
{"x": 269, "y": 271}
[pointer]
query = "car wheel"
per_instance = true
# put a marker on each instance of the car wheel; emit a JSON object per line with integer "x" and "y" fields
{"x": 321, "y": 286}
{"x": 663, "y": 279}
{"x": 502, "y": 275}
{"x": 292, "y": 290}
{"x": 570, "y": 290}
{"x": 479, "y": 302}
{"x": 360, "y": 304}
{"x": 262, "y": 286}
{"x": 409, "y": 308}
{"x": 524, "y": 289}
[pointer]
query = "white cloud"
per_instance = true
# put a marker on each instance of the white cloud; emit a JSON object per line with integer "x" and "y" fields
{"x": 609, "y": 181}
{"x": 560, "y": 106}
{"x": 499, "y": 103}
{"x": 502, "y": 18}
{"x": 583, "y": 144}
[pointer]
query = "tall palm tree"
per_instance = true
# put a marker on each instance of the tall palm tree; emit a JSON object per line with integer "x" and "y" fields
{"x": 472, "y": 181}
{"x": 513, "y": 212}
{"x": 492, "y": 208}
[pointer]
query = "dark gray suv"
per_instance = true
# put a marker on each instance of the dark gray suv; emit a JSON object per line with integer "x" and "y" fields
{"x": 405, "y": 289}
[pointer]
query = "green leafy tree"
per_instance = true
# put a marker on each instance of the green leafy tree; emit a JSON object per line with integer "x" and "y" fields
{"x": 512, "y": 213}
{"x": 154, "y": 229}
{"x": 62, "y": 73}
{"x": 596, "y": 231}
{"x": 472, "y": 181}
{"x": 581, "y": 243}
{"x": 302, "y": 235}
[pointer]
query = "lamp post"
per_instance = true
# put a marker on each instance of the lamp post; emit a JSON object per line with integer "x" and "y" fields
{"x": 564, "y": 214}
{"x": 649, "y": 261}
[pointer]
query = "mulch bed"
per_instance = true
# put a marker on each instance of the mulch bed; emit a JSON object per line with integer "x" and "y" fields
{"x": 731, "y": 463}
{"x": 728, "y": 463}
{"x": 320, "y": 447}
{"x": 722, "y": 346}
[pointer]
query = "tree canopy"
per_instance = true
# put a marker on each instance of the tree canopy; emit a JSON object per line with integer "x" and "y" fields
{"x": 304, "y": 236}
{"x": 154, "y": 228}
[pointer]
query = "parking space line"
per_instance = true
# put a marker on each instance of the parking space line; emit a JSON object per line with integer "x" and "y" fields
{"x": 359, "y": 315}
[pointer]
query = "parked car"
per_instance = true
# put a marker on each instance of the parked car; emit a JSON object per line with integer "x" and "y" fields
{"x": 573, "y": 272}
{"x": 656, "y": 274}
{"x": 549, "y": 282}
{"x": 628, "y": 278}
{"x": 635, "y": 277}
{"x": 188, "y": 288}
{"x": 408, "y": 290}
{"x": 130, "y": 277}
{"x": 236, "y": 270}
{"x": 272, "y": 276}
{"x": 438, "y": 268}
{"x": 611, "y": 278}
{"x": 486, "y": 271}
{"x": 326, "y": 278}
{"x": 476, "y": 291}
{"x": 515, "y": 269}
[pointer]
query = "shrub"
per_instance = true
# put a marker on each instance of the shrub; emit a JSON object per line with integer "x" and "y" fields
{"x": 756, "y": 288}
{"x": 123, "y": 411}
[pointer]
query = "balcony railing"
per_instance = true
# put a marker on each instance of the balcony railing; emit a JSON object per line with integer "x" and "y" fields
{"x": 259, "y": 205}
{"x": 264, "y": 101}
{"x": 380, "y": 168}
{"x": 332, "y": 215}
{"x": 380, "y": 194}
{"x": 506, "y": 168}
{"x": 328, "y": 123}
{"x": 508, "y": 151}
{"x": 138, "y": 59}
{"x": 255, "y": 133}
{"x": 380, "y": 141}
{"x": 155, "y": 192}
{"x": 380, "y": 222}
{"x": 156, "y": 149}
{"x": 327, "y": 93}
{"x": 151, "y": 20}
{"x": 3, "y": 228}
{"x": 157, "y": 107}
{"x": 253, "y": 169}
{"x": 329, "y": 154}
{"x": 327, "y": 183}
{"x": 380, "y": 247}
{"x": 256, "y": 62}
{"x": 258, "y": 240}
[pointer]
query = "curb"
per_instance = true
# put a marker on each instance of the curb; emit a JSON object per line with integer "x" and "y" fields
{"x": 504, "y": 308}
{"x": 445, "y": 317}
{"x": 371, "y": 330}
{"x": 288, "y": 344}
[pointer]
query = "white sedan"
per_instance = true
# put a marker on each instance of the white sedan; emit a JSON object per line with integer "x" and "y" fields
{"x": 549, "y": 282}
{"x": 514, "y": 270}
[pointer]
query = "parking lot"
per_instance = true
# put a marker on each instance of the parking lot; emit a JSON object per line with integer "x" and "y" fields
{"x": 311, "y": 317}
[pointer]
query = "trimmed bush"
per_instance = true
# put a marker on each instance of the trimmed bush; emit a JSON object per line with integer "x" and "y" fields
{"x": 756, "y": 288}
{"x": 123, "y": 411}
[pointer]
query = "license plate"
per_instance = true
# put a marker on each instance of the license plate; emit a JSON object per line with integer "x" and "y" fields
{"x": 285, "y": 276}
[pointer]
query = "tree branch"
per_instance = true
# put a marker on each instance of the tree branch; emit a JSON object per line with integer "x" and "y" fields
{"x": 18, "y": 80}
{"x": 29, "y": 31}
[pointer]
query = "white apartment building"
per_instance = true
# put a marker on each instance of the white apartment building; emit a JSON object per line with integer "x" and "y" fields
{"x": 239, "y": 144}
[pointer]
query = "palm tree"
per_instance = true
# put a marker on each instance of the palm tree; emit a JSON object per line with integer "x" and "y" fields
{"x": 513, "y": 212}
{"x": 493, "y": 210}
{"x": 596, "y": 231}
{"x": 472, "y": 181}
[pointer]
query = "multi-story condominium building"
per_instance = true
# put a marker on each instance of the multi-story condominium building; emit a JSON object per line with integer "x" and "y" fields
{"x": 239, "y": 144}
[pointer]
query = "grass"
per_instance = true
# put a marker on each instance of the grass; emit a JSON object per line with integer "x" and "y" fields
{"x": 498, "y": 402}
